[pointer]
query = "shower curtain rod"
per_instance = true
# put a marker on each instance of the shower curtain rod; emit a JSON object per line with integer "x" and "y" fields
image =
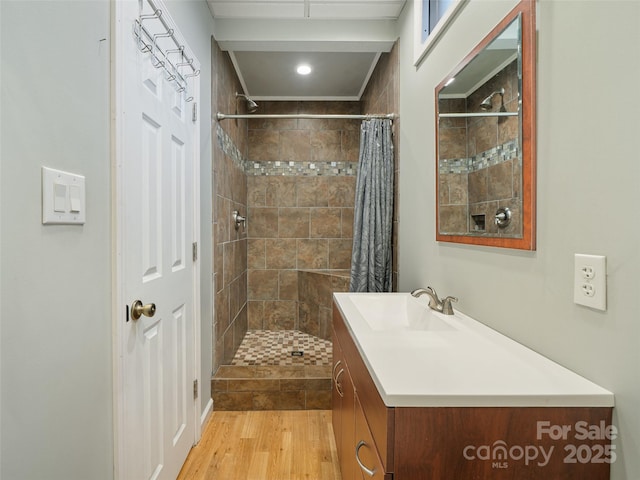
{"x": 391, "y": 116}
{"x": 478, "y": 114}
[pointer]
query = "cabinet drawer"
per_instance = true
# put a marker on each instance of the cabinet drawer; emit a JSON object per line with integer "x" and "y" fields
{"x": 366, "y": 454}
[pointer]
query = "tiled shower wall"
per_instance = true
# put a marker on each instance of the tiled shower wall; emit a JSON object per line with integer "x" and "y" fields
{"x": 301, "y": 190}
{"x": 295, "y": 179}
{"x": 229, "y": 193}
{"x": 315, "y": 299}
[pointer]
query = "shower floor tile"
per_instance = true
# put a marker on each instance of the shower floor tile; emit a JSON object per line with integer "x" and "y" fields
{"x": 267, "y": 347}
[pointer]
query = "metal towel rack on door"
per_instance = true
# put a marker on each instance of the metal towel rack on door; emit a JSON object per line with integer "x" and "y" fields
{"x": 148, "y": 43}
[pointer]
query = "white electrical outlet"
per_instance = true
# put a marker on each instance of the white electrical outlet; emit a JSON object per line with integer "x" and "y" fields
{"x": 590, "y": 281}
{"x": 588, "y": 272}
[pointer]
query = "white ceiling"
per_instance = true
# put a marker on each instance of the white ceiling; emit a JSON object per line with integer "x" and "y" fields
{"x": 335, "y": 75}
{"x": 325, "y": 9}
{"x": 340, "y": 39}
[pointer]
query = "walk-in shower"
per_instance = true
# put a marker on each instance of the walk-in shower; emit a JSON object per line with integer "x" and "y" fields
{"x": 290, "y": 169}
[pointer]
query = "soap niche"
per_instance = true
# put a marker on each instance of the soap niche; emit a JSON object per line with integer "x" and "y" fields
{"x": 478, "y": 223}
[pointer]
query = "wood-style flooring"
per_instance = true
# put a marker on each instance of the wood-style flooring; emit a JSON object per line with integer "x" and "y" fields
{"x": 265, "y": 445}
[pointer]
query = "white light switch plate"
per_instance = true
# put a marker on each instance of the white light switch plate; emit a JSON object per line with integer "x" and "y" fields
{"x": 63, "y": 197}
{"x": 590, "y": 281}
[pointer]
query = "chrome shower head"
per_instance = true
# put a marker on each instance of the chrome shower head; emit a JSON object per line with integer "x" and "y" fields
{"x": 487, "y": 103}
{"x": 251, "y": 105}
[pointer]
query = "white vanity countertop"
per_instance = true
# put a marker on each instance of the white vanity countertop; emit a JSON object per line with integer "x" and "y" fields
{"x": 466, "y": 365}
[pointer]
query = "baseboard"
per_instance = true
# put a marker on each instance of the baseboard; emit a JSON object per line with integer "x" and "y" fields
{"x": 206, "y": 413}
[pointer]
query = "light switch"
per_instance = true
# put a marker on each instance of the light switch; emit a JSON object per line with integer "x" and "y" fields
{"x": 74, "y": 196}
{"x": 59, "y": 197}
{"x": 63, "y": 197}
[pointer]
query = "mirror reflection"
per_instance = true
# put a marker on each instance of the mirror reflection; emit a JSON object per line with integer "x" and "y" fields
{"x": 483, "y": 190}
{"x": 479, "y": 161}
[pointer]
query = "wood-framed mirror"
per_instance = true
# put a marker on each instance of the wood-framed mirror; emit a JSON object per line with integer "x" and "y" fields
{"x": 486, "y": 139}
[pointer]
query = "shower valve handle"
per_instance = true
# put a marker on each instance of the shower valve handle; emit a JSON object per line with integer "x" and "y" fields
{"x": 239, "y": 219}
{"x": 503, "y": 217}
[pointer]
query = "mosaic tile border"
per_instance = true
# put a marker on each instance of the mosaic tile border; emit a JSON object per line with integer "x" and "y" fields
{"x": 279, "y": 168}
{"x": 494, "y": 156}
{"x": 226, "y": 144}
{"x": 335, "y": 169}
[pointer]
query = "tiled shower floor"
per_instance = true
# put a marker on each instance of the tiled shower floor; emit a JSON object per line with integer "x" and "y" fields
{"x": 267, "y": 347}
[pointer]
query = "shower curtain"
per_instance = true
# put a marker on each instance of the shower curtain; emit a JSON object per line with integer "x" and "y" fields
{"x": 373, "y": 214}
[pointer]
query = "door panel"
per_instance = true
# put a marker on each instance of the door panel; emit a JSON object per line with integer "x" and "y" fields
{"x": 151, "y": 396}
{"x": 178, "y": 201}
{"x": 157, "y": 159}
{"x": 151, "y": 200}
{"x": 177, "y": 350}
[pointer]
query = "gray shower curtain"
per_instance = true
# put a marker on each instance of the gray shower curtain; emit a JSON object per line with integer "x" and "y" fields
{"x": 373, "y": 214}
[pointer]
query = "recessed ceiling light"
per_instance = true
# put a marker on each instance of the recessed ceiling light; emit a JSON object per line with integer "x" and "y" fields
{"x": 303, "y": 69}
{"x": 450, "y": 81}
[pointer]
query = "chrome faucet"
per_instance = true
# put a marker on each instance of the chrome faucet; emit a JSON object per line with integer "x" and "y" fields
{"x": 442, "y": 306}
{"x": 434, "y": 301}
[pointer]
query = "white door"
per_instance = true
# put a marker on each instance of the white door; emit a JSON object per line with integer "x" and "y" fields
{"x": 156, "y": 181}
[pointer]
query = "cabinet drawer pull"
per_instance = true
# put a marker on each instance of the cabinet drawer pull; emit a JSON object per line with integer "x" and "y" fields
{"x": 334, "y": 369}
{"x": 337, "y": 383}
{"x": 371, "y": 473}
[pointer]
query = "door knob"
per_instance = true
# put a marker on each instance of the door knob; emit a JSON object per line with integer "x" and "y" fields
{"x": 138, "y": 309}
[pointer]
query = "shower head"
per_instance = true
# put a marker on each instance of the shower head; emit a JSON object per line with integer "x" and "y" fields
{"x": 487, "y": 103}
{"x": 251, "y": 105}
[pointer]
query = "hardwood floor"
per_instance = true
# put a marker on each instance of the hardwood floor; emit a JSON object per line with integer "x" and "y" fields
{"x": 265, "y": 445}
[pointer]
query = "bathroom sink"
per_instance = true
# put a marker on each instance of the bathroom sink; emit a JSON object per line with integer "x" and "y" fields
{"x": 396, "y": 311}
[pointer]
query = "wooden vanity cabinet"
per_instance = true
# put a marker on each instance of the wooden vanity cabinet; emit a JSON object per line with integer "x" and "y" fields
{"x": 343, "y": 403}
{"x": 445, "y": 443}
{"x": 359, "y": 414}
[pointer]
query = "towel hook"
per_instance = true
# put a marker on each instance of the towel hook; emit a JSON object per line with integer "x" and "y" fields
{"x": 158, "y": 63}
{"x": 187, "y": 63}
{"x": 137, "y": 32}
{"x": 168, "y": 33}
{"x": 146, "y": 47}
{"x": 179, "y": 50}
{"x": 155, "y": 48}
{"x": 157, "y": 13}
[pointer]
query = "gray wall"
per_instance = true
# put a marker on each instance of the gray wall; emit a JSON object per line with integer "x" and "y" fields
{"x": 56, "y": 280}
{"x": 588, "y": 177}
{"x": 55, "y": 287}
